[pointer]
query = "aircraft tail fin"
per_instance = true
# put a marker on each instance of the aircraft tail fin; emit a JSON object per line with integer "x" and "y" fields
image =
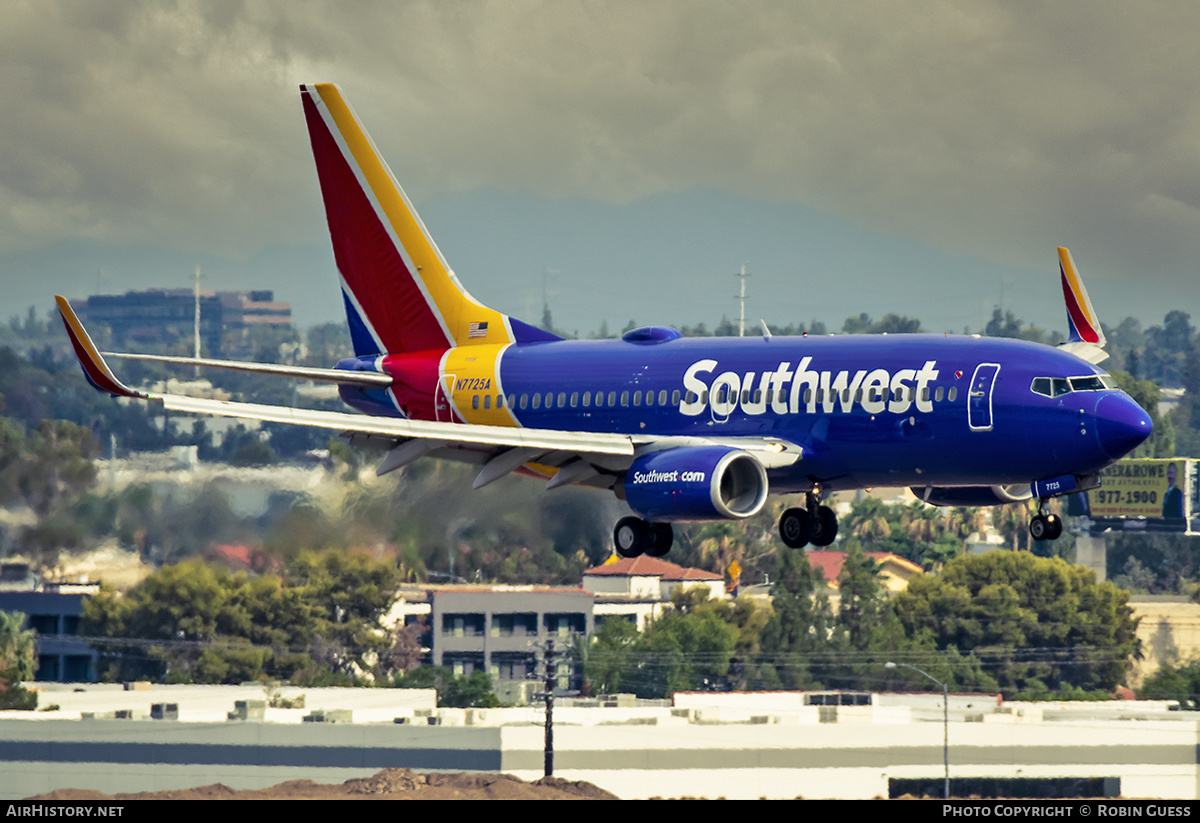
{"x": 1086, "y": 337}
{"x": 1081, "y": 317}
{"x": 400, "y": 295}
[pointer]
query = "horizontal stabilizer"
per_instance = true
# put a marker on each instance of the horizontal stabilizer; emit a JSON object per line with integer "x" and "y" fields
{"x": 339, "y": 376}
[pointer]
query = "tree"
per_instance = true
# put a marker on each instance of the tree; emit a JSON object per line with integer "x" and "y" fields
{"x": 1039, "y": 624}
{"x": 685, "y": 651}
{"x": 962, "y": 522}
{"x": 453, "y": 691}
{"x": 859, "y": 600}
{"x": 610, "y": 659}
{"x": 1180, "y": 683}
{"x": 797, "y": 629}
{"x": 196, "y": 623}
{"x": 18, "y": 662}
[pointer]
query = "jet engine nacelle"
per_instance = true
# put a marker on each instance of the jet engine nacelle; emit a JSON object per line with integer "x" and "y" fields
{"x": 973, "y": 495}
{"x": 696, "y": 483}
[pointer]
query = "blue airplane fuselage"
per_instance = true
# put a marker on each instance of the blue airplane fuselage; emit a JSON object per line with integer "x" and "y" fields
{"x": 866, "y": 410}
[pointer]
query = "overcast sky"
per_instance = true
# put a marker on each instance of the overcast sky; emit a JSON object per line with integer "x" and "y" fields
{"x": 988, "y": 129}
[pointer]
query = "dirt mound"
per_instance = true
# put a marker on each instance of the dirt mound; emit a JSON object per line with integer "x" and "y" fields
{"x": 389, "y": 784}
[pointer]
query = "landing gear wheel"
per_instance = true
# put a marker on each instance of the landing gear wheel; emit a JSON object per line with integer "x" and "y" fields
{"x": 631, "y": 536}
{"x": 661, "y": 538}
{"x": 825, "y": 527}
{"x": 1039, "y": 528}
{"x": 794, "y": 528}
{"x": 1055, "y": 525}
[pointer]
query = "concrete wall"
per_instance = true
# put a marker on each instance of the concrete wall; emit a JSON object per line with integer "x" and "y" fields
{"x": 635, "y": 753}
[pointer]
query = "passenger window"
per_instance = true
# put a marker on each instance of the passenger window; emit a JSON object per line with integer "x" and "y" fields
{"x": 587, "y": 399}
{"x": 524, "y": 401}
{"x": 487, "y": 401}
{"x": 475, "y": 401}
{"x": 537, "y": 401}
{"x": 953, "y": 393}
{"x": 612, "y": 398}
{"x": 925, "y": 394}
{"x": 625, "y": 399}
{"x": 574, "y": 399}
{"x": 637, "y": 398}
{"x": 662, "y": 397}
{"x": 675, "y": 397}
{"x": 939, "y": 394}
{"x": 562, "y": 399}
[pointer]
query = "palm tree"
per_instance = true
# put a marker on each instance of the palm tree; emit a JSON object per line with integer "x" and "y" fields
{"x": 963, "y": 522}
{"x": 1013, "y": 522}
{"x": 868, "y": 520}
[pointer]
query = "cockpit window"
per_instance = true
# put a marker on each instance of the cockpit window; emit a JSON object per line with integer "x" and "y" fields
{"x": 1090, "y": 383}
{"x": 1058, "y": 386}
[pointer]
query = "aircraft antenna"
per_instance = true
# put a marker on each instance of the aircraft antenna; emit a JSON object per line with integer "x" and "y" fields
{"x": 741, "y": 297}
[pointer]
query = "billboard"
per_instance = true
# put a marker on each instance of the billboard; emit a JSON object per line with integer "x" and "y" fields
{"x": 1147, "y": 488}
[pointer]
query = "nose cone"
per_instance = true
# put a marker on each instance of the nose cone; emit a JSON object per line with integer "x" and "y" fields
{"x": 1121, "y": 425}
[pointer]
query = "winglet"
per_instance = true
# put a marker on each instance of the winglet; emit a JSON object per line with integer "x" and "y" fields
{"x": 1081, "y": 317}
{"x": 95, "y": 369}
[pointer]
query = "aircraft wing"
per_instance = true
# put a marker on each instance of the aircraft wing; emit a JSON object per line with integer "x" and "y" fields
{"x": 561, "y": 457}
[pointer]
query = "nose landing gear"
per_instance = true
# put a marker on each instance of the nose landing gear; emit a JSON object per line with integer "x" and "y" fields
{"x": 1044, "y": 526}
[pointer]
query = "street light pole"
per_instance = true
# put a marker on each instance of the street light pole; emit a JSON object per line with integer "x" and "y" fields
{"x": 945, "y": 719}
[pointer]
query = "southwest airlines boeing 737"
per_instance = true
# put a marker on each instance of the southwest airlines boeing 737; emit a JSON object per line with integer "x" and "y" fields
{"x": 681, "y": 429}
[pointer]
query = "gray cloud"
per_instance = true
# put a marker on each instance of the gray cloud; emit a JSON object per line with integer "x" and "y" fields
{"x": 984, "y": 128}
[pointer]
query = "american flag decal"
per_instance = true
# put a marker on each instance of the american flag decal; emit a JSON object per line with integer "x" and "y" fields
{"x": 477, "y": 330}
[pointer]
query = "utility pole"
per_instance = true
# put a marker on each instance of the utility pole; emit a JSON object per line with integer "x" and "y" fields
{"x": 741, "y": 296}
{"x": 551, "y": 665}
{"x": 552, "y": 658}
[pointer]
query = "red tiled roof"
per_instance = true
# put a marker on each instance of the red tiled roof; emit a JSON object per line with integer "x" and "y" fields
{"x": 643, "y": 566}
{"x": 830, "y": 562}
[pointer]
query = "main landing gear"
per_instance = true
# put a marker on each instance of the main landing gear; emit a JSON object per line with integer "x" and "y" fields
{"x": 634, "y": 536}
{"x": 1045, "y": 526}
{"x": 814, "y": 524}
